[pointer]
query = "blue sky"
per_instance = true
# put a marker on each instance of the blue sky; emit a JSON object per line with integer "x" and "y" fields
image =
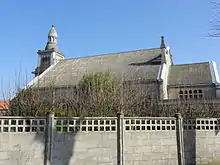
{"x": 95, "y": 27}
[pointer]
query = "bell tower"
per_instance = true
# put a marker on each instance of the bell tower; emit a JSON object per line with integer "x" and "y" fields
{"x": 50, "y": 55}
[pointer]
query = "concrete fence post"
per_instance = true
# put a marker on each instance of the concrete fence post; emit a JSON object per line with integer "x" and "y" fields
{"x": 179, "y": 138}
{"x": 49, "y": 139}
{"x": 120, "y": 138}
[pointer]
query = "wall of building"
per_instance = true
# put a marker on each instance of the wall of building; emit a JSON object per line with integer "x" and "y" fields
{"x": 56, "y": 57}
{"x": 94, "y": 141}
{"x": 218, "y": 92}
{"x": 150, "y": 89}
{"x": 208, "y": 91}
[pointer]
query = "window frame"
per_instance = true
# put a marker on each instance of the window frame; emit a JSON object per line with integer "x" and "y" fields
{"x": 185, "y": 94}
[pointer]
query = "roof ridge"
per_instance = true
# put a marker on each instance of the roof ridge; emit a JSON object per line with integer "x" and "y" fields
{"x": 191, "y": 63}
{"x": 107, "y": 54}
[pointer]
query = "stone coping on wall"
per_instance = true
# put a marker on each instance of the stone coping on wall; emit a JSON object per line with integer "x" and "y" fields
{"x": 104, "y": 124}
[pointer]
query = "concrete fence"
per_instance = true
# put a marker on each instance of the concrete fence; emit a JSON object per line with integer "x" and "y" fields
{"x": 117, "y": 140}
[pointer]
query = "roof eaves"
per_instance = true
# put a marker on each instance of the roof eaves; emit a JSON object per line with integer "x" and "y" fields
{"x": 190, "y": 64}
{"x": 190, "y": 85}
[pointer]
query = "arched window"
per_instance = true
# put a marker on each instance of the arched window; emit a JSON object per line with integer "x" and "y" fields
{"x": 181, "y": 94}
{"x": 190, "y": 91}
{"x": 200, "y": 94}
{"x": 195, "y": 91}
{"x": 186, "y": 92}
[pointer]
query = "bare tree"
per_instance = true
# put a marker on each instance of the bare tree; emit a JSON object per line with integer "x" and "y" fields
{"x": 100, "y": 94}
{"x": 215, "y": 30}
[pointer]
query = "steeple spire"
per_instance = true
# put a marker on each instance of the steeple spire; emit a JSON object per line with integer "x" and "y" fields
{"x": 50, "y": 55}
{"x": 52, "y": 39}
{"x": 162, "y": 44}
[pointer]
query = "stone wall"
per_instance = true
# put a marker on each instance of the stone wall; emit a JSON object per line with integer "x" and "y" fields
{"x": 22, "y": 141}
{"x": 150, "y": 141}
{"x": 150, "y": 89}
{"x": 208, "y": 91}
{"x": 202, "y": 140}
{"x": 146, "y": 88}
{"x": 85, "y": 141}
{"x": 69, "y": 140}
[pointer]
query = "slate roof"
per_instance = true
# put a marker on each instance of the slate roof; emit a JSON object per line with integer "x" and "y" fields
{"x": 50, "y": 46}
{"x": 189, "y": 74}
{"x": 70, "y": 71}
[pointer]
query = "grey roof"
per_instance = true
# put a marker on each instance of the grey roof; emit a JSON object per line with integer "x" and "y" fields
{"x": 70, "y": 71}
{"x": 51, "y": 45}
{"x": 190, "y": 74}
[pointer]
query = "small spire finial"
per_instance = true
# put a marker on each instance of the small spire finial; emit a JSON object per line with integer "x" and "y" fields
{"x": 53, "y": 26}
{"x": 162, "y": 44}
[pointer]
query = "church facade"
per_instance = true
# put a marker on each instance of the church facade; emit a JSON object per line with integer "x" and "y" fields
{"x": 152, "y": 69}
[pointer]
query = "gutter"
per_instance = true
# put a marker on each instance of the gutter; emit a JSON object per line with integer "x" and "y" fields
{"x": 191, "y": 85}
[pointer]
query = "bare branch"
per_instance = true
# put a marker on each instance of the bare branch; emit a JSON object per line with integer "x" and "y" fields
{"x": 215, "y": 23}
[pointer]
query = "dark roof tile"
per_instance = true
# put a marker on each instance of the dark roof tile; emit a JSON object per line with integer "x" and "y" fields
{"x": 190, "y": 74}
{"x": 70, "y": 71}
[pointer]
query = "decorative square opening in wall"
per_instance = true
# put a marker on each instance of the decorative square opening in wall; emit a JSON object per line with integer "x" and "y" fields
{"x": 150, "y": 124}
{"x": 69, "y": 124}
{"x": 201, "y": 124}
{"x": 23, "y": 125}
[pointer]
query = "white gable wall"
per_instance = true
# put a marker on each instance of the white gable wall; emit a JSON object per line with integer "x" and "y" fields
{"x": 162, "y": 77}
{"x": 215, "y": 77}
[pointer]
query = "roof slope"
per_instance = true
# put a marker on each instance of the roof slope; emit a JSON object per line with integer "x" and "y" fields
{"x": 70, "y": 71}
{"x": 189, "y": 74}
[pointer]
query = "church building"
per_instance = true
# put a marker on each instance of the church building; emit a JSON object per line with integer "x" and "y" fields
{"x": 153, "y": 69}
